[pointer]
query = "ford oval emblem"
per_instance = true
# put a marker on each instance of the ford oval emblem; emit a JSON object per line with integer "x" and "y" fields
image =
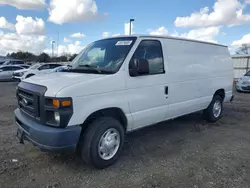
{"x": 25, "y": 101}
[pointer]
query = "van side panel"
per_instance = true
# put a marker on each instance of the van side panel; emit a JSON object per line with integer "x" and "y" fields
{"x": 196, "y": 72}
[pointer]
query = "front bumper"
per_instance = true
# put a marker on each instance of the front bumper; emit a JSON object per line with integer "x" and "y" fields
{"x": 44, "y": 137}
{"x": 242, "y": 88}
{"x": 16, "y": 78}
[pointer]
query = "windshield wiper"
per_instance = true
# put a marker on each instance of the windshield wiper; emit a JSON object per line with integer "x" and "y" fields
{"x": 87, "y": 69}
{"x": 89, "y": 66}
{"x": 96, "y": 69}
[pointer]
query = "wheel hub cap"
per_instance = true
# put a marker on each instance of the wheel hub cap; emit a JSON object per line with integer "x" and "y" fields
{"x": 217, "y": 109}
{"x": 109, "y": 144}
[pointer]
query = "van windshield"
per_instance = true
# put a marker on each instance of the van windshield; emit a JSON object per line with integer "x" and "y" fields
{"x": 104, "y": 56}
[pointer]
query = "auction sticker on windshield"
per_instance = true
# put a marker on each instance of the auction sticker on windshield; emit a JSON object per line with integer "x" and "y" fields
{"x": 124, "y": 43}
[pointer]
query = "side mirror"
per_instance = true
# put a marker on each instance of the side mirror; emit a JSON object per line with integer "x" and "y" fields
{"x": 138, "y": 67}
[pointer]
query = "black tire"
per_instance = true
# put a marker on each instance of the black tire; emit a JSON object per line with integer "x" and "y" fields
{"x": 90, "y": 141}
{"x": 29, "y": 75}
{"x": 208, "y": 113}
{"x": 239, "y": 91}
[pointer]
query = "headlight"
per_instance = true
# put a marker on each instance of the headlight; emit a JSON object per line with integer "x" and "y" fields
{"x": 21, "y": 73}
{"x": 57, "y": 117}
{"x": 58, "y": 111}
{"x": 245, "y": 82}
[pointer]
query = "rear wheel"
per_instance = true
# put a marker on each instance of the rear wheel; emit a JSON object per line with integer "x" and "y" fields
{"x": 102, "y": 142}
{"x": 214, "y": 110}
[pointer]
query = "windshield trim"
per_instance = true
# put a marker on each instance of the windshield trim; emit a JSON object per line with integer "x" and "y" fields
{"x": 133, "y": 38}
{"x": 87, "y": 71}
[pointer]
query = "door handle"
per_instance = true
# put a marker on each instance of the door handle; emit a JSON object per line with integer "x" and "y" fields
{"x": 166, "y": 90}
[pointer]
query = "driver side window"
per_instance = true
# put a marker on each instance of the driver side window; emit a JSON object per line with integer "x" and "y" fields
{"x": 151, "y": 51}
{"x": 6, "y": 68}
{"x": 96, "y": 55}
{"x": 43, "y": 67}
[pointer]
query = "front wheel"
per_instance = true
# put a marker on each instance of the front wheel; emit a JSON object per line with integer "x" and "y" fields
{"x": 214, "y": 110}
{"x": 102, "y": 142}
{"x": 239, "y": 91}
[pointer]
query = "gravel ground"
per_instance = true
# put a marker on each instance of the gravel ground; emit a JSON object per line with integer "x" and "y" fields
{"x": 186, "y": 152}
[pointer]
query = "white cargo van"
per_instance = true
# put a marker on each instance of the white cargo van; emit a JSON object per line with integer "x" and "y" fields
{"x": 117, "y": 85}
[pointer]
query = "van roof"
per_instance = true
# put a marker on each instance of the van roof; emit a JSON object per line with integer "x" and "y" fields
{"x": 169, "y": 37}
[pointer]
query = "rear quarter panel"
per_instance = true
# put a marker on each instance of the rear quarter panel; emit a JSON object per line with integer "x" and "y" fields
{"x": 196, "y": 71}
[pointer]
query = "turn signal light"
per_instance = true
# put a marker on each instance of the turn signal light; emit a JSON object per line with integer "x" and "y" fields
{"x": 66, "y": 103}
{"x": 56, "y": 103}
{"x": 63, "y": 103}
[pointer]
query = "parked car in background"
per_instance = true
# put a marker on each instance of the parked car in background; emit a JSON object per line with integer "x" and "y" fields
{"x": 6, "y": 72}
{"x": 59, "y": 69}
{"x": 18, "y": 74}
{"x": 243, "y": 83}
{"x": 39, "y": 68}
{"x": 13, "y": 62}
{"x": 25, "y": 66}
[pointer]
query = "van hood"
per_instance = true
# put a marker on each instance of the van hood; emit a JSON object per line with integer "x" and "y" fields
{"x": 244, "y": 79}
{"x": 59, "y": 80}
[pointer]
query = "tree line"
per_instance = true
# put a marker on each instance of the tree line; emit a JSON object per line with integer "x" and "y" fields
{"x": 43, "y": 57}
{"x": 243, "y": 49}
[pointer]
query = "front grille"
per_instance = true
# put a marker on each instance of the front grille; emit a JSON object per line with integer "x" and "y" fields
{"x": 246, "y": 88}
{"x": 30, "y": 99}
{"x": 28, "y": 102}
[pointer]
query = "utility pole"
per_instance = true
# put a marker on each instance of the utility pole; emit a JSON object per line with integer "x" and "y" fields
{"x": 130, "y": 26}
{"x": 57, "y": 43}
{"x": 52, "y": 48}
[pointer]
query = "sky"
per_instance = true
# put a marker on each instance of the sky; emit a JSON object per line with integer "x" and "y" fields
{"x": 32, "y": 25}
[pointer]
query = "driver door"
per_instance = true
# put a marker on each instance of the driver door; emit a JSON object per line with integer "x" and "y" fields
{"x": 6, "y": 73}
{"x": 148, "y": 94}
